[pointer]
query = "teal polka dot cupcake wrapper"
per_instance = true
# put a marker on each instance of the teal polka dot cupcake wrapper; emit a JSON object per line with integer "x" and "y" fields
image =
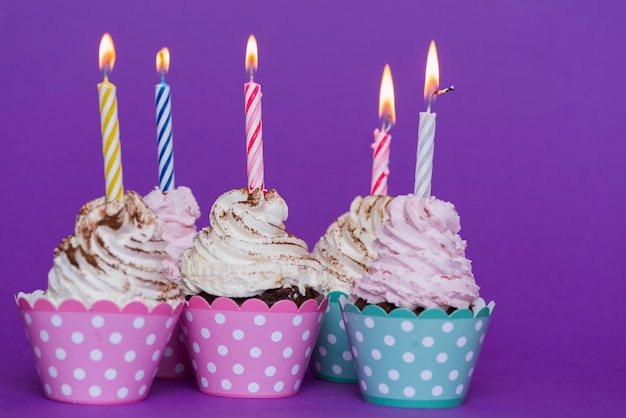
{"x": 411, "y": 361}
{"x": 332, "y": 357}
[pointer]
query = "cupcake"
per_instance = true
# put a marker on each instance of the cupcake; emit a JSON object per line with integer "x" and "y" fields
{"x": 98, "y": 332}
{"x": 415, "y": 321}
{"x": 178, "y": 211}
{"x": 345, "y": 251}
{"x": 254, "y": 311}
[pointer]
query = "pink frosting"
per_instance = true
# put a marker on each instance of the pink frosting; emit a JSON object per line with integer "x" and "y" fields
{"x": 178, "y": 211}
{"x": 421, "y": 258}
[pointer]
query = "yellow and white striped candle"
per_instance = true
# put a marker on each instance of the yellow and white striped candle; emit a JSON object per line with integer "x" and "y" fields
{"x": 109, "y": 123}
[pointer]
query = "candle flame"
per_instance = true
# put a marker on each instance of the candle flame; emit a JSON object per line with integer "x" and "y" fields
{"x": 163, "y": 60}
{"x": 386, "y": 103}
{"x": 252, "y": 54}
{"x": 106, "y": 54}
{"x": 431, "y": 82}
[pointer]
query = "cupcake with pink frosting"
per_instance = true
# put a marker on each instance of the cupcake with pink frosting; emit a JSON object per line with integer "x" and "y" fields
{"x": 178, "y": 211}
{"x": 415, "y": 321}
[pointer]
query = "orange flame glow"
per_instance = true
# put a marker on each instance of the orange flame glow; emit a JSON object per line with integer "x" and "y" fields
{"x": 163, "y": 60}
{"x": 252, "y": 54}
{"x": 106, "y": 54}
{"x": 431, "y": 82}
{"x": 386, "y": 103}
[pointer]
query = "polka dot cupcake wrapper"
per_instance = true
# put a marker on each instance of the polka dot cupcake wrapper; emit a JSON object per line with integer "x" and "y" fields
{"x": 253, "y": 351}
{"x": 415, "y": 362}
{"x": 175, "y": 363}
{"x": 332, "y": 356}
{"x": 101, "y": 355}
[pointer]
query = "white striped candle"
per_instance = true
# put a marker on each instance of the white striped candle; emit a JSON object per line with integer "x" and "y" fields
{"x": 165, "y": 140}
{"x": 427, "y": 125}
{"x": 425, "y": 153}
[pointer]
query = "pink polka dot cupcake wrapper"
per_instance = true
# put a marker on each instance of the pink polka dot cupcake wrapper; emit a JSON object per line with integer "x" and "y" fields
{"x": 411, "y": 361}
{"x": 332, "y": 355}
{"x": 253, "y": 351}
{"x": 102, "y": 355}
{"x": 175, "y": 363}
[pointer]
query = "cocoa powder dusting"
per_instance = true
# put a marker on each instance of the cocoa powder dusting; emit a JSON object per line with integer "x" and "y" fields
{"x": 114, "y": 222}
{"x": 66, "y": 247}
{"x": 90, "y": 258}
{"x": 253, "y": 198}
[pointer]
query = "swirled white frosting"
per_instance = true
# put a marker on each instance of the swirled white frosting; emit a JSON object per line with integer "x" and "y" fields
{"x": 115, "y": 254}
{"x": 421, "y": 258}
{"x": 247, "y": 250}
{"x": 346, "y": 248}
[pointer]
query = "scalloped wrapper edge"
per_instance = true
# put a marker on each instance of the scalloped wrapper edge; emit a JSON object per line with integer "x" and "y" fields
{"x": 74, "y": 305}
{"x": 257, "y": 305}
{"x": 480, "y": 310}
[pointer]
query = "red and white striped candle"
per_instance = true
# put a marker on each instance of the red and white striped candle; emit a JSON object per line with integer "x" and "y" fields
{"x": 254, "y": 124}
{"x": 382, "y": 139}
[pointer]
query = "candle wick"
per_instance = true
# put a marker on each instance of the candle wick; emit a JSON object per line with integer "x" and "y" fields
{"x": 106, "y": 73}
{"x": 387, "y": 124}
{"x": 430, "y": 100}
{"x": 436, "y": 93}
{"x": 162, "y": 76}
{"x": 251, "y": 74}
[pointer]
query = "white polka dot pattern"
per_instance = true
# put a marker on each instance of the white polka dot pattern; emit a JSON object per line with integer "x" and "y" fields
{"x": 249, "y": 353}
{"x": 175, "y": 362}
{"x": 412, "y": 361}
{"x": 332, "y": 357}
{"x": 96, "y": 357}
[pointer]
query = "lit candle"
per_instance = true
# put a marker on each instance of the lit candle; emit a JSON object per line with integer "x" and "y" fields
{"x": 427, "y": 124}
{"x": 382, "y": 139}
{"x": 109, "y": 123}
{"x": 254, "y": 124}
{"x": 164, "y": 123}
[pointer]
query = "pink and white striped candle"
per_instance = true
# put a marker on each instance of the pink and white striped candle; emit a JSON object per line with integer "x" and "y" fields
{"x": 382, "y": 139}
{"x": 254, "y": 124}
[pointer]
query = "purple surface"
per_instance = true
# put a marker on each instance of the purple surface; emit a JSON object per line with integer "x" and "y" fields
{"x": 530, "y": 148}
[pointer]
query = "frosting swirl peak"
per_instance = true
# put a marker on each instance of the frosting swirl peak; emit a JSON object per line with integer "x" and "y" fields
{"x": 346, "y": 247}
{"x": 247, "y": 250}
{"x": 421, "y": 258}
{"x": 115, "y": 254}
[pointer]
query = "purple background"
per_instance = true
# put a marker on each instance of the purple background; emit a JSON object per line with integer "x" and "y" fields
{"x": 530, "y": 148}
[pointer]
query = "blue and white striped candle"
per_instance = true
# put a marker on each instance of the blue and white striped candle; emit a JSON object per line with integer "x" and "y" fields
{"x": 164, "y": 124}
